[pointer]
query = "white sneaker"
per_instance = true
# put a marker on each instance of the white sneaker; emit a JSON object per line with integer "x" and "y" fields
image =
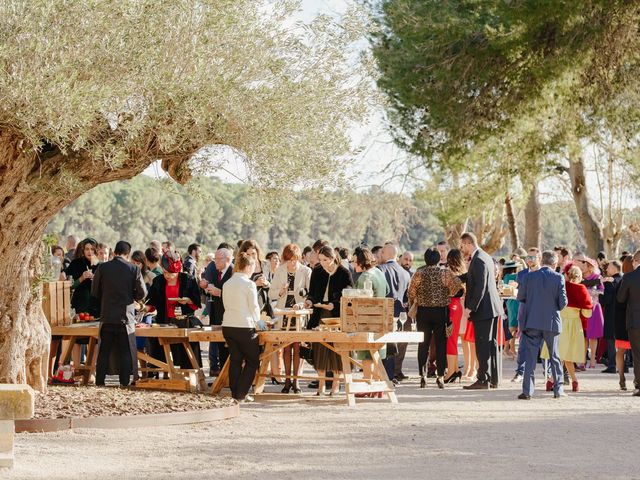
{"x": 248, "y": 399}
{"x": 517, "y": 378}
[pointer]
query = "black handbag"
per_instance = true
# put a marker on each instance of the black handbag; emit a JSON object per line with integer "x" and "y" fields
{"x": 306, "y": 352}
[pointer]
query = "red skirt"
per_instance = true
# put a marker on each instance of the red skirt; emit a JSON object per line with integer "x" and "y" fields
{"x": 626, "y": 344}
{"x": 455, "y": 315}
{"x": 470, "y": 336}
{"x": 469, "y": 333}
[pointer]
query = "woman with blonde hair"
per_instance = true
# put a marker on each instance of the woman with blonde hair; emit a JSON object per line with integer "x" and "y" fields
{"x": 239, "y": 327}
{"x": 571, "y": 346}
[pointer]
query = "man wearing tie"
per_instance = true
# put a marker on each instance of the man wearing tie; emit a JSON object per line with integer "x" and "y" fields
{"x": 483, "y": 305}
{"x": 213, "y": 279}
{"x": 542, "y": 297}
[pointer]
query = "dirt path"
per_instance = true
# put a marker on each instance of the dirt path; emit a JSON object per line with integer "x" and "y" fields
{"x": 432, "y": 433}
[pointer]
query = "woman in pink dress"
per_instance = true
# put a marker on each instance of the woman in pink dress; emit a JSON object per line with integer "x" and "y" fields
{"x": 593, "y": 281}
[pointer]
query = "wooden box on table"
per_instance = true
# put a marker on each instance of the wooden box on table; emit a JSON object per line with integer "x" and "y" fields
{"x": 366, "y": 314}
{"x": 56, "y": 302}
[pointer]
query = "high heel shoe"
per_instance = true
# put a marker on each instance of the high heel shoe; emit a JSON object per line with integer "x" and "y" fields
{"x": 296, "y": 388}
{"x": 287, "y": 387}
{"x": 423, "y": 382}
{"x": 575, "y": 387}
{"x": 453, "y": 377}
{"x": 275, "y": 382}
{"x": 549, "y": 386}
{"x": 439, "y": 382}
{"x": 623, "y": 384}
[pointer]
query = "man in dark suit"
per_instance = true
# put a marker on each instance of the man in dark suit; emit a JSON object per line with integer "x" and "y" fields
{"x": 629, "y": 294}
{"x": 608, "y": 301}
{"x": 191, "y": 262}
{"x": 483, "y": 305}
{"x": 398, "y": 280}
{"x": 541, "y": 299}
{"x": 213, "y": 279}
{"x": 118, "y": 284}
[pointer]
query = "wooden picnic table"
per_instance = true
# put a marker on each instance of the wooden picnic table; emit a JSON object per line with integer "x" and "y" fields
{"x": 178, "y": 379}
{"x": 340, "y": 342}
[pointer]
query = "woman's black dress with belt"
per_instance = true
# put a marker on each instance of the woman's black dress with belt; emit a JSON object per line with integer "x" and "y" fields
{"x": 323, "y": 358}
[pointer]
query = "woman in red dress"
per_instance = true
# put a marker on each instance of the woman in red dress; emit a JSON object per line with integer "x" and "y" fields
{"x": 457, "y": 267}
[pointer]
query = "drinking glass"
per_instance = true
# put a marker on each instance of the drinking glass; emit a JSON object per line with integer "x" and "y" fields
{"x": 403, "y": 319}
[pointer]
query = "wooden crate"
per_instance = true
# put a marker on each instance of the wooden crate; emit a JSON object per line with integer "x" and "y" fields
{"x": 56, "y": 302}
{"x": 359, "y": 314}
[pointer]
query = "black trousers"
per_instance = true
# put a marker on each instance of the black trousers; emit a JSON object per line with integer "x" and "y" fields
{"x": 114, "y": 336}
{"x": 244, "y": 359}
{"x": 486, "y": 349}
{"x": 432, "y": 322}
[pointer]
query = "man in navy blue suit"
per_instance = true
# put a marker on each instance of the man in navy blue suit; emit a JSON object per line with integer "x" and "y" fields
{"x": 542, "y": 297}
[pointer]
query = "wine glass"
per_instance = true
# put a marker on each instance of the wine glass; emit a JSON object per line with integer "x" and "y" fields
{"x": 403, "y": 319}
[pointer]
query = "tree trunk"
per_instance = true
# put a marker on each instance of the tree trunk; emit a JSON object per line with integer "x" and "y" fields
{"x": 532, "y": 235}
{"x": 511, "y": 223}
{"x": 453, "y": 232}
{"x": 32, "y": 190}
{"x": 590, "y": 225}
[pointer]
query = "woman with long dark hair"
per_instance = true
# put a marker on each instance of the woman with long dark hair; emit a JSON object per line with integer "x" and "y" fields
{"x": 325, "y": 293}
{"x": 456, "y": 308}
{"x": 81, "y": 270}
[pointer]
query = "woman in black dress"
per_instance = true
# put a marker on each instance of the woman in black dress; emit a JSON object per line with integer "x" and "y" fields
{"x": 174, "y": 284}
{"x": 81, "y": 270}
{"x": 325, "y": 292}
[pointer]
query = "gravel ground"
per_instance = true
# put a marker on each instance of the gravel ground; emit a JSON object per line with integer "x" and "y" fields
{"x": 432, "y": 433}
{"x": 81, "y": 402}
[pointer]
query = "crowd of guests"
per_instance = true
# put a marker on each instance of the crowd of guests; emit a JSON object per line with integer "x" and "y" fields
{"x": 571, "y": 311}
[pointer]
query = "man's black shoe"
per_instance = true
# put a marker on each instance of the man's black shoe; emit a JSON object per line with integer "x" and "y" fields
{"x": 313, "y": 384}
{"x": 609, "y": 370}
{"x": 477, "y": 386}
{"x": 524, "y": 396}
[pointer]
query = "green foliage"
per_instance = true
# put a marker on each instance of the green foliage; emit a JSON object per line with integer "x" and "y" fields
{"x": 113, "y": 85}
{"x": 143, "y": 209}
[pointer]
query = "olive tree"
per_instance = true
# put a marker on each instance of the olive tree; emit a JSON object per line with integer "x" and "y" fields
{"x": 93, "y": 91}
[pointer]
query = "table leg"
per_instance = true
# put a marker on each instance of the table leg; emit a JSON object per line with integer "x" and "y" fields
{"x": 348, "y": 378}
{"x": 264, "y": 365}
{"x": 67, "y": 348}
{"x": 169, "y": 357}
{"x": 222, "y": 380}
{"x": 90, "y": 369}
{"x": 202, "y": 385}
{"x": 381, "y": 374}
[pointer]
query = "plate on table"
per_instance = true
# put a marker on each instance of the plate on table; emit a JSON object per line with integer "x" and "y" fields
{"x": 331, "y": 321}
